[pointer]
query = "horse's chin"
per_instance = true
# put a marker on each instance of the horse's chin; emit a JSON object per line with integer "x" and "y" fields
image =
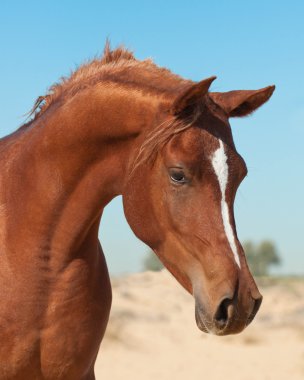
{"x": 208, "y": 326}
{"x": 201, "y": 322}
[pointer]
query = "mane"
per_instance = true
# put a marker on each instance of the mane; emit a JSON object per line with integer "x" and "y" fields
{"x": 159, "y": 137}
{"x": 118, "y": 66}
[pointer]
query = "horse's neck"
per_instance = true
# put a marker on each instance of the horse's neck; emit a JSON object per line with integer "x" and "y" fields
{"x": 65, "y": 167}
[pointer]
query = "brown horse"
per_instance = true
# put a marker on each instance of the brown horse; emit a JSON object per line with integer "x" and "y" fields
{"x": 117, "y": 126}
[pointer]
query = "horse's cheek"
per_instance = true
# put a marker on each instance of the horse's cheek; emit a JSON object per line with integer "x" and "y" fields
{"x": 141, "y": 214}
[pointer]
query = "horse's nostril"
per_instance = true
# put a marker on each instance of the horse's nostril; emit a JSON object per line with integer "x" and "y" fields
{"x": 221, "y": 316}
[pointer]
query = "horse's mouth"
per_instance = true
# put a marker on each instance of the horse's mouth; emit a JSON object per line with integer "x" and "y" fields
{"x": 231, "y": 326}
{"x": 211, "y": 327}
{"x": 201, "y": 322}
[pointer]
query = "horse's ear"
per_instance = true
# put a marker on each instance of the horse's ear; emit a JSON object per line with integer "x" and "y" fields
{"x": 192, "y": 96}
{"x": 242, "y": 102}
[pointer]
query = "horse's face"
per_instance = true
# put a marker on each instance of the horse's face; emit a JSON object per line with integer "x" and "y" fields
{"x": 182, "y": 207}
{"x": 199, "y": 175}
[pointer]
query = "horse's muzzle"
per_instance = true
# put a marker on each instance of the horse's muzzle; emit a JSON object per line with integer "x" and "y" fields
{"x": 229, "y": 317}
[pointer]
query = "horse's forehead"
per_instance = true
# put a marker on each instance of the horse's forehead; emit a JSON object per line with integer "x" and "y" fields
{"x": 198, "y": 148}
{"x": 195, "y": 144}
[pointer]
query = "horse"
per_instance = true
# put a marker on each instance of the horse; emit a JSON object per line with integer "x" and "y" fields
{"x": 117, "y": 126}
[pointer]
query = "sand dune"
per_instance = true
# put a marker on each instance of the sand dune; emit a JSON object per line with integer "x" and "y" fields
{"x": 152, "y": 335}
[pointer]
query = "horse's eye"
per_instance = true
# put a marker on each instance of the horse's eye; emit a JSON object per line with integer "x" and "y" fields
{"x": 177, "y": 176}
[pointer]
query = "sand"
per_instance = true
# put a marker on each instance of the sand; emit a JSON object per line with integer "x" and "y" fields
{"x": 152, "y": 335}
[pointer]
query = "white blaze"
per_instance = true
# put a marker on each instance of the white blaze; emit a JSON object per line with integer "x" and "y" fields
{"x": 220, "y": 166}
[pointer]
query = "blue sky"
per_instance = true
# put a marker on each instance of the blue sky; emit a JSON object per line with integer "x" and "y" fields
{"x": 248, "y": 45}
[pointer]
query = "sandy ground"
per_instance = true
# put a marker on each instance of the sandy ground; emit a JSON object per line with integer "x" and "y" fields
{"x": 152, "y": 335}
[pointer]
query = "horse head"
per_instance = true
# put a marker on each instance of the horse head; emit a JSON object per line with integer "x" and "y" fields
{"x": 179, "y": 200}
